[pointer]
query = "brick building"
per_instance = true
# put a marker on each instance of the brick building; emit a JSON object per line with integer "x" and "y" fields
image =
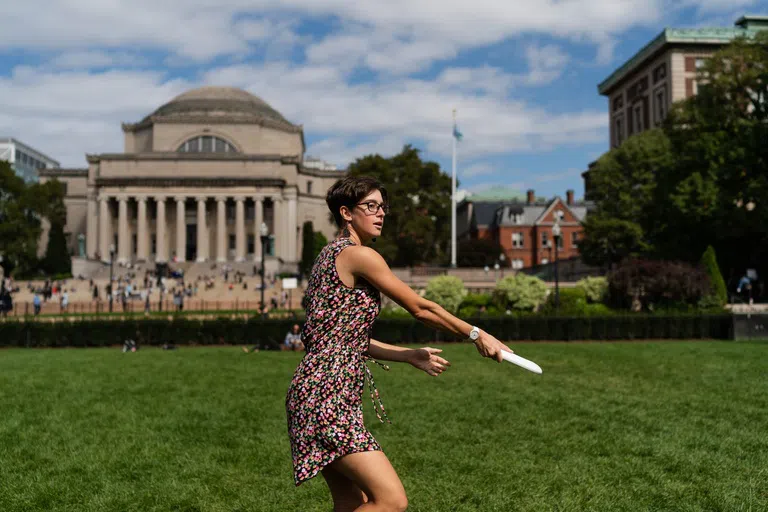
{"x": 523, "y": 226}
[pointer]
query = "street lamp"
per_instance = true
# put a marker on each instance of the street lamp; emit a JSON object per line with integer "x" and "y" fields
{"x": 556, "y": 236}
{"x": 111, "y": 286}
{"x": 264, "y": 232}
{"x": 502, "y": 258}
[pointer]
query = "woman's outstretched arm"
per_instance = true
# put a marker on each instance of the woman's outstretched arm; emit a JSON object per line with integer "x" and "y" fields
{"x": 367, "y": 263}
{"x": 386, "y": 352}
{"x": 426, "y": 359}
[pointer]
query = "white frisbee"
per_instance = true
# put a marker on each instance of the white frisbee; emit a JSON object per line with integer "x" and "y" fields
{"x": 521, "y": 362}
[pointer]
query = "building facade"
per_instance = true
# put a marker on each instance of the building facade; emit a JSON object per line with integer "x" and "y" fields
{"x": 523, "y": 226}
{"x": 197, "y": 179}
{"x": 24, "y": 160}
{"x": 642, "y": 90}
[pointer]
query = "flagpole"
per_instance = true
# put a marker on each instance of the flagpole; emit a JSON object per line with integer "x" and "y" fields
{"x": 453, "y": 198}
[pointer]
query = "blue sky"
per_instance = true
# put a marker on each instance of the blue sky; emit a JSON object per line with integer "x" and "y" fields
{"x": 362, "y": 76}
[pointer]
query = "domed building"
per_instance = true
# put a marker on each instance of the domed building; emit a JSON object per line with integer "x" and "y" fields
{"x": 198, "y": 178}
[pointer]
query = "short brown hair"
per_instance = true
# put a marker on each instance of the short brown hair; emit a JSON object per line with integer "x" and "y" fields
{"x": 349, "y": 191}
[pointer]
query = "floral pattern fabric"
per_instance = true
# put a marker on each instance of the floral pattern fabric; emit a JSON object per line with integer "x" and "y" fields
{"x": 324, "y": 401}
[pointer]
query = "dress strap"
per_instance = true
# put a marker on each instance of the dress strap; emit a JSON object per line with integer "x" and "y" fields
{"x": 375, "y": 398}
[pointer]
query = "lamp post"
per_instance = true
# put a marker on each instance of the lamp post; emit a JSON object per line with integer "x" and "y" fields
{"x": 264, "y": 236}
{"x": 502, "y": 259}
{"x": 556, "y": 236}
{"x": 111, "y": 286}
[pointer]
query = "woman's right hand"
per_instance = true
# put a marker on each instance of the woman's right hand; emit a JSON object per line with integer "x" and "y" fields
{"x": 490, "y": 347}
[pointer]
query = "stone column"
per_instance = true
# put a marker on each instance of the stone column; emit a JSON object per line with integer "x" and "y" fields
{"x": 142, "y": 252}
{"x": 123, "y": 239}
{"x": 239, "y": 229}
{"x": 202, "y": 233}
{"x": 258, "y": 218}
{"x": 104, "y": 231}
{"x": 291, "y": 219}
{"x": 181, "y": 229}
{"x": 161, "y": 255}
{"x": 278, "y": 218}
{"x": 92, "y": 228}
{"x": 221, "y": 229}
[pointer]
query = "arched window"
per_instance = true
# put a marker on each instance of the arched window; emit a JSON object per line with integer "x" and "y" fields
{"x": 206, "y": 144}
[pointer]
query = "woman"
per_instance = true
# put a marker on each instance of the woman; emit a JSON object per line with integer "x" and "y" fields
{"x": 324, "y": 401}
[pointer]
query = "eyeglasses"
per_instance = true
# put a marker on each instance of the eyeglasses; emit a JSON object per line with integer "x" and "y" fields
{"x": 373, "y": 206}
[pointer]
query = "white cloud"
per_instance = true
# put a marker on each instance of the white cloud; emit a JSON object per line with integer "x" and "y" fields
{"x": 38, "y": 105}
{"x": 89, "y": 59}
{"x": 418, "y": 31}
{"x": 545, "y": 63}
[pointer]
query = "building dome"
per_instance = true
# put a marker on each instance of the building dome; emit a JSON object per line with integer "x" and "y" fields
{"x": 217, "y": 102}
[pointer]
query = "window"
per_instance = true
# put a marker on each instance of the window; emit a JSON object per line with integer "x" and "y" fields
{"x": 661, "y": 105}
{"x": 154, "y": 244}
{"x": 230, "y": 213}
{"x": 251, "y": 244}
{"x": 206, "y": 144}
{"x": 559, "y": 242}
{"x": 518, "y": 240}
{"x": 516, "y": 217}
{"x": 231, "y": 242}
{"x": 517, "y": 264}
{"x": 619, "y": 130}
{"x": 309, "y": 187}
{"x": 545, "y": 239}
{"x": 575, "y": 239}
{"x": 638, "y": 117}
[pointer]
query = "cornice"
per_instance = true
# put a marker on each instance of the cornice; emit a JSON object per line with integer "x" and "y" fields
{"x": 225, "y": 119}
{"x": 63, "y": 173}
{"x": 190, "y": 157}
{"x": 317, "y": 173}
{"x": 189, "y": 182}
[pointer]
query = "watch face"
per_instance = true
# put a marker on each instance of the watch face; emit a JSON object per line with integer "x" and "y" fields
{"x": 474, "y": 334}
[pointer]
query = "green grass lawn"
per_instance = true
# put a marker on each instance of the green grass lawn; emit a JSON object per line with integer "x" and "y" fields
{"x": 623, "y": 426}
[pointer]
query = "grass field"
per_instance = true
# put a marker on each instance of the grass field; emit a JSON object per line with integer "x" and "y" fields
{"x": 623, "y": 426}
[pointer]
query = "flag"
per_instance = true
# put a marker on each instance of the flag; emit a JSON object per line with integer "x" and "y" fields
{"x": 457, "y": 133}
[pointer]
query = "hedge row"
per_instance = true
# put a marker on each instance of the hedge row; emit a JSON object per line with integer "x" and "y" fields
{"x": 270, "y": 333}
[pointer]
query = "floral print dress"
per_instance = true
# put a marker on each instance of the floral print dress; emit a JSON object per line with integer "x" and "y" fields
{"x": 324, "y": 401}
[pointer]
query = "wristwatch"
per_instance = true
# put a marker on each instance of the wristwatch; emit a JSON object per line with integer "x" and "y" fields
{"x": 474, "y": 334}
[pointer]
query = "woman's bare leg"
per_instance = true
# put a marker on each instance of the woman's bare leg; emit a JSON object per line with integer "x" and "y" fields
{"x": 346, "y": 495}
{"x": 374, "y": 475}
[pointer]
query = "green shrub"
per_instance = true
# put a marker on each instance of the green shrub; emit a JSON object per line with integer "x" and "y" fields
{"x": 573, "y": 301}
{"x": 719, "y": 295}
{"x": 448, "y": 291}
{"x": 520, "y": 292}
{"x": 595, "y": 288}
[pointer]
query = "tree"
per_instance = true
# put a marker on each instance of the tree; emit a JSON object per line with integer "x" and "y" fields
{"x": 22, "y": 207}
{"x": 417, "y": 229}
{"x": 717, "y": 193}
{"x": 307, "y": 248}
{"x": 718, "y": 291}
{"x": 622, "y": 185}
{"x": 57, "y": 259}
{"x": 607, "y": 241}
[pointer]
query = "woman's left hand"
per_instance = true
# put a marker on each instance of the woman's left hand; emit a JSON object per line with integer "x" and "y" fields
{"x": 426, "y": 359}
